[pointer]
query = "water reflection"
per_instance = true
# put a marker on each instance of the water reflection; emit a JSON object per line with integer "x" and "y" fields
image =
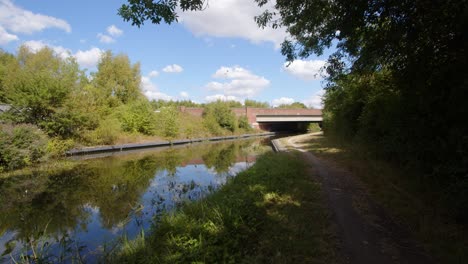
{"x": 98, "y": 200}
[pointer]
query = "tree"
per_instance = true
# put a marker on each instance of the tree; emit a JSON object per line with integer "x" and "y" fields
{"x": 38, "y": 85}
{"x": 256, "y": 104}
{"x": 6, "y": 59}
{"x": 118, "y": 79}
{"x": 222, "y": 114}
{"x": 295, "y": 105}
{"x": 169, "y": 117}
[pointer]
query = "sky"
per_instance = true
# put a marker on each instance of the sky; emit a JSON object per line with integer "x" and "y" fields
{"x": 218, "y": 53}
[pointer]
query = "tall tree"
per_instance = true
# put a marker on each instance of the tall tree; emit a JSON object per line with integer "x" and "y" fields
{"x": 118, "y": 80}
{"x": 39, "y": 83}
{"x": 6, "y": 59}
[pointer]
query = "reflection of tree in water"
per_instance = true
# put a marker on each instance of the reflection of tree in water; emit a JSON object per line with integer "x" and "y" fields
{"x": 63, "y": 199}
{"x": 221, "y": 157}
{"x": 172, "y": 159}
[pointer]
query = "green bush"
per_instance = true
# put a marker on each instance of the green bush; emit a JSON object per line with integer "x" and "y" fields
{"x": 57, "y": 147}
{"x": 20, "y": 146}
{"x": 138, "y": 117}
{"x": 107, "y": 132}
{"x": 244, "y": 123}
{"x": 169, "y": 121}
{"x": 221, "y": 113}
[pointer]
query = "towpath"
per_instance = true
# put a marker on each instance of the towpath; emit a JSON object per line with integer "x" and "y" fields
{"x": 365, "y": 232}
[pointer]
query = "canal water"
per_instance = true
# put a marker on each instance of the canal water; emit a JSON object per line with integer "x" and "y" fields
{"x": 79, "y": 211}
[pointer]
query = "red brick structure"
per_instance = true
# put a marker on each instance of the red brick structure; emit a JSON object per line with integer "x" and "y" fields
{"x": 252, "y": 113}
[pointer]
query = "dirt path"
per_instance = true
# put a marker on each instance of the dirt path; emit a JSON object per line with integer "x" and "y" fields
{"x": 366, "y": 234}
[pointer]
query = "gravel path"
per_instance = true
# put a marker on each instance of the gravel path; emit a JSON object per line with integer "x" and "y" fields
{"x": 365, "y": 232}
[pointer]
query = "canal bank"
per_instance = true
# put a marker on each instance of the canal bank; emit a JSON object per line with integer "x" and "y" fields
{"x": 124, "y": 147}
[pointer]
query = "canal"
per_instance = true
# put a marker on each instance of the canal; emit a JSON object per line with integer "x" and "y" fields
{"x": 81, "y": 210}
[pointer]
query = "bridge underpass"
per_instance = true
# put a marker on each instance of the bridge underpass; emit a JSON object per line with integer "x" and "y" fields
{"x": 289, "y": 123}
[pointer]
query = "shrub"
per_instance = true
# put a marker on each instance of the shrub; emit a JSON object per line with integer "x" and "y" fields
{"x": 57, "y": 147}
{"x": 221, "y": 113}
{"x": 20, "y": 146}
{"x": 107, "y": 132}
{"x": 244, "y": 123}
{"x": 138, "y": 117}
{"x": 169, "y": 117}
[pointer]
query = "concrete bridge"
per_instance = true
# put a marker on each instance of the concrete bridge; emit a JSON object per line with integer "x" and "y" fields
{"x": 271, "y": 119}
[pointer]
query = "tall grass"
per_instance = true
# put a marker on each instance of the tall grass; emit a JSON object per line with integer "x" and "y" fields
{"x": 270, "y": 213}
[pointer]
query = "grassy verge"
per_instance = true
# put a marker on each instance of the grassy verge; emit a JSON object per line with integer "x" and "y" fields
{"x": 408, "y": 196}
{"x": 271, "y": 213}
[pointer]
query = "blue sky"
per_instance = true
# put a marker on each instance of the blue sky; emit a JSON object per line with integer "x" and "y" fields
{"x": 217, "y": 53}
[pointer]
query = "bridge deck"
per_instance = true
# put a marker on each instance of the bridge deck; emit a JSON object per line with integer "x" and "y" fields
{"x": 288, "y": 118}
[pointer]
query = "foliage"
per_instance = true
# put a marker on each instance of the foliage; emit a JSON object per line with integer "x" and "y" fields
{"x": 314, "y": 127}
{"x": 57, "y": 147}
{"x": 260, "y": 216}
{"x": 38, "y": 84}
{"x": 158, "y": 104}
{"x": 256, "y": 104}
{"x": 118, "y": 79}
{"x": 5, "y": 60}
{"x": 20, "y": 145}
{"x": 169, "y": 121}
{"x": 106, "y": 133}
{"x": 295, "y": 105}
{"x": 243, "y": 122}
{"x": 138, "y": 117}
{"x": 221, "y": 113}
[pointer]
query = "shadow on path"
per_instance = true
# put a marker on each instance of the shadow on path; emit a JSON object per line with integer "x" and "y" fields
{"x": 365, "y": 232}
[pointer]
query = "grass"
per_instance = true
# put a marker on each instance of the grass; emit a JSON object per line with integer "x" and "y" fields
{"x": 270, "y": 213}
{"x": 408, "y": 196}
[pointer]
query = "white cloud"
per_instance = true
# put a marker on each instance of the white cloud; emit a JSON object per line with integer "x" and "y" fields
{"x": 232, "y": 18}
{"x": 155, "y": 95}
{"x": 151, "y": 91}
{"x": 315, "y": 100}
{"x": 114, "y": 31}
{"x": 282, "y": 101}
{"x": 88, "y": 58}
{"x": 6, "y": 37}
{"x": 105, "y": 38}
{"x": 184, "y": 94}
{"x": 37, "y": 45}
{"x": 153, "y": 74}
{"x": 222, "y": 97}
{"x": 306, "y": 69}
{"x": 174, "y": 68}
{"x": 242, "y": 83}
{"x": 19, "y": 20}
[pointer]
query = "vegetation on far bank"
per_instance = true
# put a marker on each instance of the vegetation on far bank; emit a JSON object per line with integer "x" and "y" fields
{"x": 49, "y": 105}
{"x": 270, "y": 213}
{"x": 415, "y": 202}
